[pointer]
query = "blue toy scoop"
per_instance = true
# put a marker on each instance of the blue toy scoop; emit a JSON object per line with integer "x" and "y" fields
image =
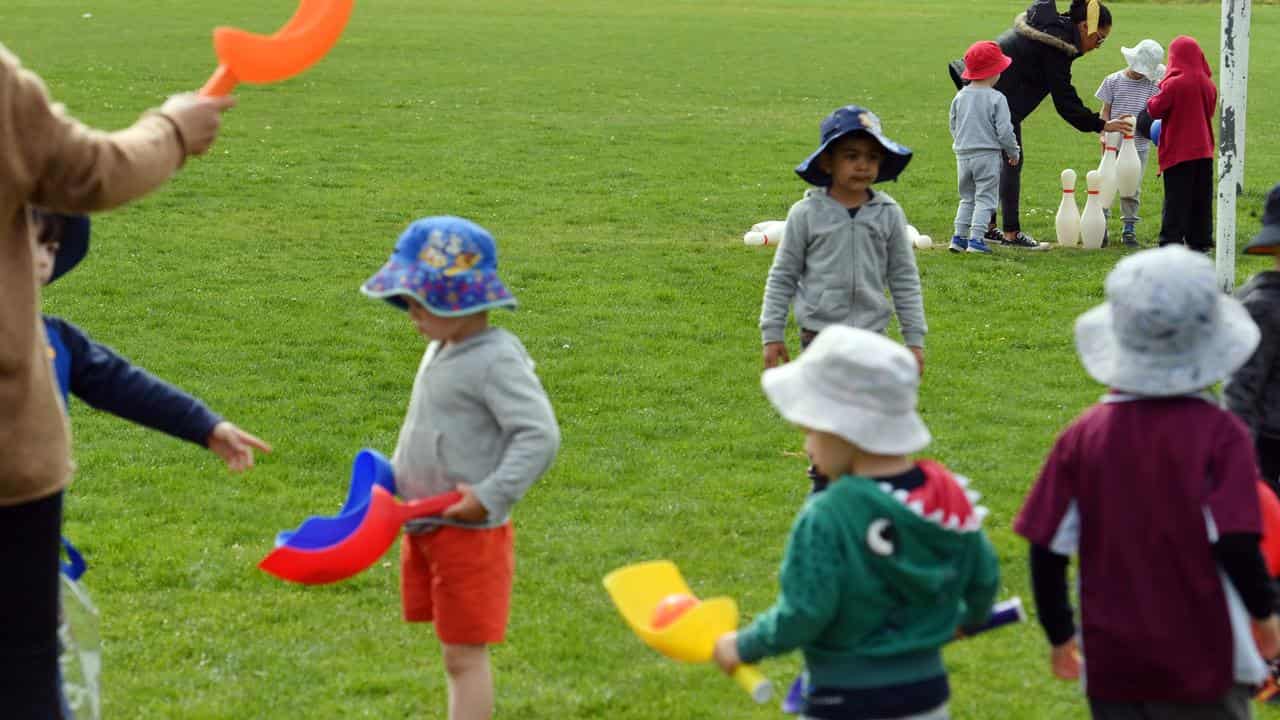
{"x": 369, "y": 469}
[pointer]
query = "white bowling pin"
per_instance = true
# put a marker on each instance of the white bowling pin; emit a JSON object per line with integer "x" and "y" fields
{"x": 765, "y": 233}
{"x": 1128, "y": 168}
{"x": 1108, "y": 169}
{"x": 1093, "y": 224}
{"x": 1067, "y": 221}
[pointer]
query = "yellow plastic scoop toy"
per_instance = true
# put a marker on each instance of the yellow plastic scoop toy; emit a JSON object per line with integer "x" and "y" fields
{"x": 637, "y": 589}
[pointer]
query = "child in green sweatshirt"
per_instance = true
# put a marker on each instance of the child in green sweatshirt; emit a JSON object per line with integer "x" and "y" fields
{"x": 887, "y": 564}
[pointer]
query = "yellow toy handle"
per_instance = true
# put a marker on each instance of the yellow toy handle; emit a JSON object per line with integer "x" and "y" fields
{"x": 750, "y": 678}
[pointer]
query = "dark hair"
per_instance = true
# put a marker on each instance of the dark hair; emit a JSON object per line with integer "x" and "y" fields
{"x": 1080, "y": 9}
{"x": 49, "y": 226}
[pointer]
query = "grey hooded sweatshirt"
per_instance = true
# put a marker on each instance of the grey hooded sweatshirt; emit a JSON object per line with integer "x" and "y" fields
{"x": 477, "y": 415}
{"x": 834, "y": 270}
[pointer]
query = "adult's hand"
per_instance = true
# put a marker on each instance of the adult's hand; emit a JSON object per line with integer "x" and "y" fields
{"x": 1124, "y": 125}
{"x": 198, "y": 117}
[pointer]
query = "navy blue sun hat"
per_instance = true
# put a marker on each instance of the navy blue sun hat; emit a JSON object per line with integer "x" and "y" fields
{"x": 448, "y": 264}
{"x": 851, "y": 119}
{"x": 71, "y": 232}
{"x": 1267, "y": 241}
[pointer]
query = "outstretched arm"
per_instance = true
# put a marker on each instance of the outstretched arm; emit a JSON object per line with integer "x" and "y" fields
{"x": 109, "y": 382}
{"x": 1067, "y": 101}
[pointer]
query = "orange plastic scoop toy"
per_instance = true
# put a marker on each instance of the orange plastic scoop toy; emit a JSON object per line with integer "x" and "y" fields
{"x": 248, "y": 57}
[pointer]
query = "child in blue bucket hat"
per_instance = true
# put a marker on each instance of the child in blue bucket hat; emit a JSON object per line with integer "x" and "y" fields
{"x": 99, "y": 376}
{"x": 479, "y": 422}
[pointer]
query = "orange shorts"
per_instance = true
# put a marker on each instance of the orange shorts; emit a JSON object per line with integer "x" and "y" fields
{"x": 460, "y": 579}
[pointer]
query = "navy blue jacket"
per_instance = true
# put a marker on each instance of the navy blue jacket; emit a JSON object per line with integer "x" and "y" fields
{"x": 100, "y": 377}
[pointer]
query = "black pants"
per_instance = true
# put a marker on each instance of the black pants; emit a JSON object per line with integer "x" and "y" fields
{"x": 1188, "y": 205}
{"x": 1011, "y": 187}
{"x": 1233, "y": 706}
{"x": 29, "y": 543}
{"x": 1268, "y": 447}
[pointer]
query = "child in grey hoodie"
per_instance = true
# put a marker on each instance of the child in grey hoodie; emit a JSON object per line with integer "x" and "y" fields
{"x": 845, "y": 244}
{"x": 980, "y": 129}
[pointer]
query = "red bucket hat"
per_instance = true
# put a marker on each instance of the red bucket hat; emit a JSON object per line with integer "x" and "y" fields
{"x": 984, "y": 59}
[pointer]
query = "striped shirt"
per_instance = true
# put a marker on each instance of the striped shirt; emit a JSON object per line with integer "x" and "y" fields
{"x": 1127, "y": 97}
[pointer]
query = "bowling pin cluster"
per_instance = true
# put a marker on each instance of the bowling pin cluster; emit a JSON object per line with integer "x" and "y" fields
{"x": 1119, "y": 173}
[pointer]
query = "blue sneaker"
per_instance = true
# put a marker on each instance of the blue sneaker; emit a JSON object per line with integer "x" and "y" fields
{"x": 958, "y": 244}
{"x": 976, "y": 245}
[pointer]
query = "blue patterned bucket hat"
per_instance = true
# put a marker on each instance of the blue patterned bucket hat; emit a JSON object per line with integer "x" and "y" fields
{"x": 851, "y": 119}
{"x": 448, "y": 264}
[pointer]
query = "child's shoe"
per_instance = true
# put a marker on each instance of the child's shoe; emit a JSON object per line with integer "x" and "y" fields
{"x": 976, "y": 245}
{"x": 1129, "y": 237}
{"x": 958, "y": 244}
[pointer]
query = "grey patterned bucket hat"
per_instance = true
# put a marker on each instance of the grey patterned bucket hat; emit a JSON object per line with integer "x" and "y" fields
{"x": 854, "y": 383}
{"x": 1165, "y": 329}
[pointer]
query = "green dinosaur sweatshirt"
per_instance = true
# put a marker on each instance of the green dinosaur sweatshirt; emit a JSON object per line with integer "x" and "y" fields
{"x": 876, "y": 580}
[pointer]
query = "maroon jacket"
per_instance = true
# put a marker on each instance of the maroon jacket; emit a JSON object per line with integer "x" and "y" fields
{"x": 1186, "y": 103}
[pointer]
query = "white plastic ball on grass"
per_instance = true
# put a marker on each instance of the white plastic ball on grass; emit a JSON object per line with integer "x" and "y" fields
{"x": 924, "y": 242}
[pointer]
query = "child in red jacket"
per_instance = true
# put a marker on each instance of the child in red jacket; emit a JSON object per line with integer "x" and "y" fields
{"x": 1186, "y": 104}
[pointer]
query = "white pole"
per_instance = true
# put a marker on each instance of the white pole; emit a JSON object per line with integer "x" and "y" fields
{"x": 1234, "y": 72}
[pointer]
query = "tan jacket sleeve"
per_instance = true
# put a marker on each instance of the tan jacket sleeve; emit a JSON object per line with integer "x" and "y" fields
{"x": 54, "y": 161}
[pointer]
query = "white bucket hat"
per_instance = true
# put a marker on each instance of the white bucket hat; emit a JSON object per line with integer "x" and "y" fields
{"x": 856, "y": 384}
{"x": 1145, "y": 59}
{"x": 1165, "y": 329}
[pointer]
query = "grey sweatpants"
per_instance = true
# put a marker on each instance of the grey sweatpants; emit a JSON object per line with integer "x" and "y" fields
{"x": 1129, "y": 206}
{"x": 978, "y": 179}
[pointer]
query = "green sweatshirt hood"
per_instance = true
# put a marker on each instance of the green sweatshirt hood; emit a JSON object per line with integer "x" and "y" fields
{"x": 913, "y": 536}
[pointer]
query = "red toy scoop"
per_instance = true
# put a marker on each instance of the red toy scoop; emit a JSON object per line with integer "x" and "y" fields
{"x": 360, "y": 549}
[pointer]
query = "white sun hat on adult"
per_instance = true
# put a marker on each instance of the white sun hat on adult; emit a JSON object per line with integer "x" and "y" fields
{"x": 1145, "y": 58}
{"x": 856, "y": 384}
{"x": 1165, "y": 329}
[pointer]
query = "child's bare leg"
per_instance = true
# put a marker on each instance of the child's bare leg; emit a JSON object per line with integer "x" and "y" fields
{"x": 470, "y": 682}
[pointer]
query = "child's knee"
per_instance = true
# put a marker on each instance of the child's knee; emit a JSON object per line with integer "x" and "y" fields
{"x": 464, "y": 659}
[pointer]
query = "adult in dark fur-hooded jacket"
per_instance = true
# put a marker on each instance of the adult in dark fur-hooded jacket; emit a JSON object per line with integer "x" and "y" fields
{"x": 1043, "y": 44}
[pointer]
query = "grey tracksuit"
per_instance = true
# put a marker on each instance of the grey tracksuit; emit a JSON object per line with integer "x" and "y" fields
{"x": 981, "y": 130}
{"x": 477, "y": 415}
{"x": 834, "y": 269}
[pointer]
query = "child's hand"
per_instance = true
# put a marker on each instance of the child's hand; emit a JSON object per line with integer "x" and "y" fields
{"x": 1013, "y": 161}
{"x": 468, "y": 509}
{"x": 919, "y": 353}
{"x": 775, "y": 353}
{"x": 1065, "y": 660}
{"x": 726, "y": 652}
{"x": 234, "y": 446}
{"x": 1266, "y": 634}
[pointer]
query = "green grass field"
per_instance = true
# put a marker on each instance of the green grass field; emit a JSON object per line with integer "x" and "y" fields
{"x": 618, "y": 151}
